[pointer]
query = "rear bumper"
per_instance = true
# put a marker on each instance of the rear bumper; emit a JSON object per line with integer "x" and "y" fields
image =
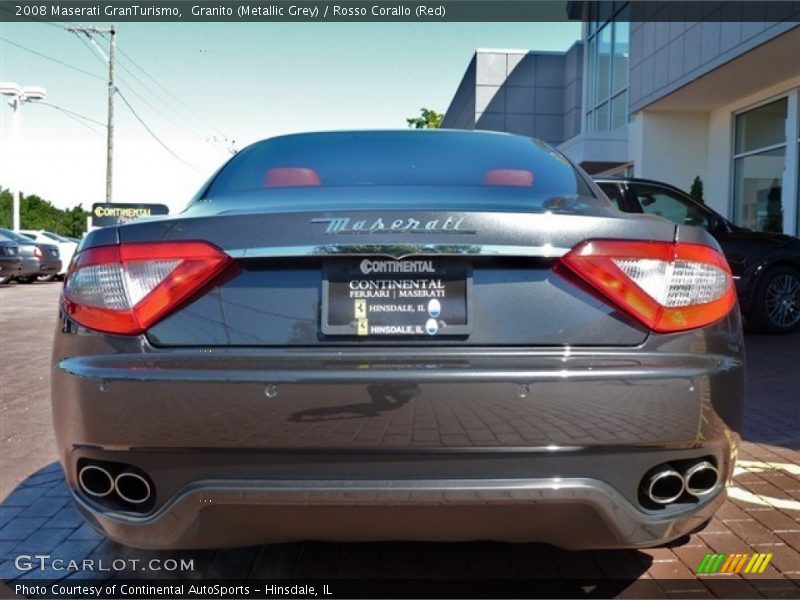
{"x": 10, "y": 265}
{"x": 50, "y": 267}
{"x": 35, "y": 266}
{"x": 571, "y": 513}
{"x": 248, "y": 446}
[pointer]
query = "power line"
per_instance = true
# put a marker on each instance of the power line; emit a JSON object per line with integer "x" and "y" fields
{"x": 50, "y": 58}
{"x": 193, "y": 130}
{"x": 95, "y": 50}
{"x": 103, "y": 60}
{"x": 73, "y": 113}
{"x": 203, "y": 126}
{"x": 75, "y": 117}
{"x": 208, "y": 125}
{"x": 151, "y": 132}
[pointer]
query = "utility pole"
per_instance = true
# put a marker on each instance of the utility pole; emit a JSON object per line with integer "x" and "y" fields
{"x": 110, "y": 136}
{"x": 112, "y": 31}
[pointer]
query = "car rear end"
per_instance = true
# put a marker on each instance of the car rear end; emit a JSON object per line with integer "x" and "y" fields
{"x": 499, "y": 356}
{"x": 10, "y": 260}
{"x": 66, "y": 247}
{"x": 49, "y": 259}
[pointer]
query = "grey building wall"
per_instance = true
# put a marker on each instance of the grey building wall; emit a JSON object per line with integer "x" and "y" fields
{"x": 667, "y": 55}
{"x": 537, "y": 94}
{"x": 573, "y": 91}
{"x": 461, "y": 114}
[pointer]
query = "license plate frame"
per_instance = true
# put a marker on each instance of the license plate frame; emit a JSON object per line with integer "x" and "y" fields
{"x": 449, "y": 282}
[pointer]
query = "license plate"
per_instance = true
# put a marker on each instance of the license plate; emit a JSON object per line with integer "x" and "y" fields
{"x": 386, "y": 297}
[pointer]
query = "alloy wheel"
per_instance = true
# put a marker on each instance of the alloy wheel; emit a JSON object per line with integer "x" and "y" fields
{"x": 783, "y": 300}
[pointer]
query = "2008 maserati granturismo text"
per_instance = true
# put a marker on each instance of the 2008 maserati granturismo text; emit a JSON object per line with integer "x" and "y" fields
{"x": 429, "y": 335}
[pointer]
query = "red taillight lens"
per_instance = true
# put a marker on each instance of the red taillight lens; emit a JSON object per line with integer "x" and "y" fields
{"x": 127, "y": 288}
{"x": 37, "y": 252}
{"x": 668, "y": 287}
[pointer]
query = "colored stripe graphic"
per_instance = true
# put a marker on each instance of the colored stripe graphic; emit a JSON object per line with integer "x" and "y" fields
{"x": 753, "y": 563}
{"x": 703, "y": 568}
{"x": 728, "y": 565}
{"x": 710, "y": 563}
{"x": 741, "y": 562}
{"x": 734, "y": 563}
{"x": 767, "y": 558}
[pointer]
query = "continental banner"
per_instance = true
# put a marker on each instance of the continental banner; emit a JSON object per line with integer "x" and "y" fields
{"x": 106, "y": 214}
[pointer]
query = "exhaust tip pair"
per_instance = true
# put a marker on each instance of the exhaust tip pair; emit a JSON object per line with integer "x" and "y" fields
{"x": 667, "y": 484}
{"x": 99, "y": 482}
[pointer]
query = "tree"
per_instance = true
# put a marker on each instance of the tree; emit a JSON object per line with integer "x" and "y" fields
{"x": 696, "y": 190}
{"x": 428, "y": 119}
{"x": 38, "y": 213}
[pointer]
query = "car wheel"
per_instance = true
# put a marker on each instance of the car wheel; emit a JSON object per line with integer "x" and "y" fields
{"x": 777, "y": 303}
{"x": 50, "y": 277}
{"x": 5, "y": 279}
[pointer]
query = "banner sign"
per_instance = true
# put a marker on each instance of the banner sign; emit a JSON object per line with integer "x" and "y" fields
{"x": 106, "y": 214}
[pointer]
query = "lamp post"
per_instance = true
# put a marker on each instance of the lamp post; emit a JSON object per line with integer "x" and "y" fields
{"x": 19, "y": 95}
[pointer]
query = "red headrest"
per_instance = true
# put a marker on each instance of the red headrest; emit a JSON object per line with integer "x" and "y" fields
{"x": 291, "y": 177}
{"x": 517, "y": 177}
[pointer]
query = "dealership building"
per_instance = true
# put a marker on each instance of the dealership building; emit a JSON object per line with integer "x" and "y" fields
{"x": 717, "y": 98}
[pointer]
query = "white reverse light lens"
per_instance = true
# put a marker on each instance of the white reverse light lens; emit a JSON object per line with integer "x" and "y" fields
{"x": 142, "y": 277}
{"x": 695, "y": 283}
{"x": 98, "y": 285}
{"x": 675, "y": 284}
{"x": 115, "y": 286}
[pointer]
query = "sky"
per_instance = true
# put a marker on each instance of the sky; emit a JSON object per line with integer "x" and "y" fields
{"x": 193, "y": 84}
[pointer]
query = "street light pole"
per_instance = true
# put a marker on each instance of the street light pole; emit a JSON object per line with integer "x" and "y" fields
{"x": 18, "y": 95}
{"x": 15, "y": 104}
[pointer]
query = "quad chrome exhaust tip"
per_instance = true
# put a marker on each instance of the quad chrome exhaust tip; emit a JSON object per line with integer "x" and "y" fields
{"x": 664, "y": 486}
{"x": 96, "y": 481}
{"x": 701, "y": 479}
{"x": 132, "y": 487}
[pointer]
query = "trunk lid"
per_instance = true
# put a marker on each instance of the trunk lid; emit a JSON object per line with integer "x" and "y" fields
{"x": 274, "y": 295}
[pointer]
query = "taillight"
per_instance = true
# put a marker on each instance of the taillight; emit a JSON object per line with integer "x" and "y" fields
{"x": 127, "y": 288}
{"x": 37, "y": 252}
{"x": 667, "y": 286}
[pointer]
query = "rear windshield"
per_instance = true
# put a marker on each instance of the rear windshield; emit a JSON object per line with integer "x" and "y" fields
{"x": 400, "y": 159}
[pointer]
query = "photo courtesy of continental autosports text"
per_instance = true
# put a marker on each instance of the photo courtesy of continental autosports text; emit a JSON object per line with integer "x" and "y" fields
{"x": 373, "y": 299}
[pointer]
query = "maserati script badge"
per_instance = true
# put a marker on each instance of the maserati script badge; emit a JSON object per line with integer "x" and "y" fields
{"x": 339, "y": 225}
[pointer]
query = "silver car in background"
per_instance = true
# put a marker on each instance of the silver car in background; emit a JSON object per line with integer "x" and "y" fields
{"x": 66, "y": 249}
{"x": 38, "y": 259}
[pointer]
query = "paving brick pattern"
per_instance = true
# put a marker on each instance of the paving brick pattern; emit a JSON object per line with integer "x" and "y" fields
{"x": 761, "y": 515}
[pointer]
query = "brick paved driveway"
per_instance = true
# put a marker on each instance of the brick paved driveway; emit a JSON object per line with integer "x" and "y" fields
{"x": 761, "y": 516}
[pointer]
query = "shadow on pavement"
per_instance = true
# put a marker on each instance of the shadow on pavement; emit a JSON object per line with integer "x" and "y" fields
{"x": 772, "y": 411}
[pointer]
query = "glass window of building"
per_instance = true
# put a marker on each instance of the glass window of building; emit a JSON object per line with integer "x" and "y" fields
{"x": 607, "y": 55}
{"x": 758, "y": 164}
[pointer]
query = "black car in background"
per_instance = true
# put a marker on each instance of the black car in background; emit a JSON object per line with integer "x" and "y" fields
{"x": 37, "y": 258}
{"x": 765, "y": 265}
{"x": 10, "y": 260}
